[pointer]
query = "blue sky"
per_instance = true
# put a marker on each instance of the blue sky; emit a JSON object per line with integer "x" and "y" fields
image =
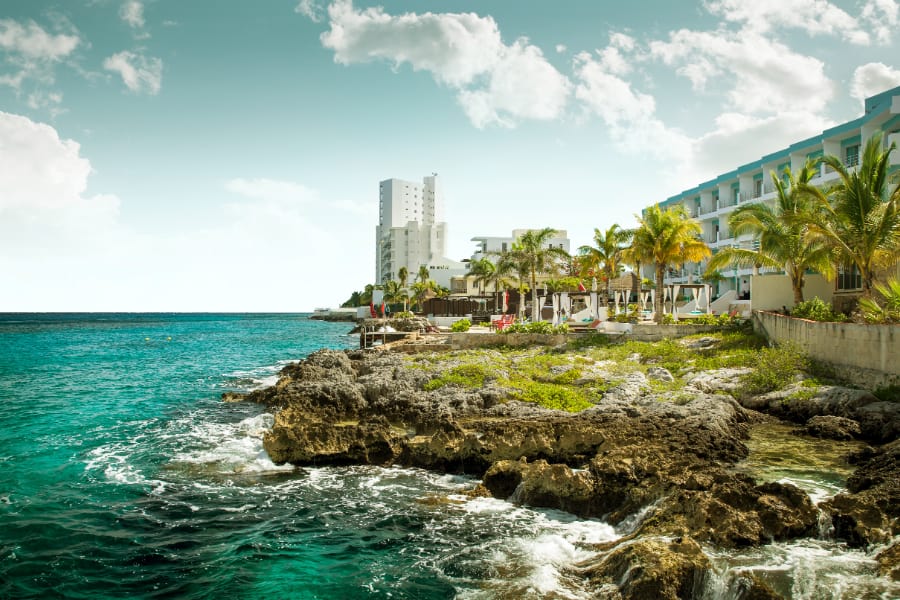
{"x": 225, "y": 156}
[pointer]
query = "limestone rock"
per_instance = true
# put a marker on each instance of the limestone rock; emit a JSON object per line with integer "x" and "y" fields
{"x": 653, "y": 568}
{"x": 659, "y": 374}
{"x": 889, "y": 562}
{"x": 830, "y": 427}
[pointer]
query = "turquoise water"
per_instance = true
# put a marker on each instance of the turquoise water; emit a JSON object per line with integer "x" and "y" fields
{"x": 122, "y": 474}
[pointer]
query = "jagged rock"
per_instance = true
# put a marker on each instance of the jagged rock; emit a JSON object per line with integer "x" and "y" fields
{"x": 830, "y": 428}
{"x": 718, "y": 380}
{"x": 233, "y": 397}
{"x": 879, "y": 421}
{"x": 701, "y": 343}
{"x": 652, "y": 568}
{"x": 870, "y": 512}
{"x": 889, "y": 562}
{"x": 659, "y": 374}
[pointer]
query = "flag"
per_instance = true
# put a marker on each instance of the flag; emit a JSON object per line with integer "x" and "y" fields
{"x": 383, "y": 314}
{"x": 372, "y": 309}
{"x": 581, "y": 287}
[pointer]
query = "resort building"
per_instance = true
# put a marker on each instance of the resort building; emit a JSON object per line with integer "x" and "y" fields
{"x": 713, "y": 201}
{"x": 491, "y": 247}
{"x": 411, "y": 231}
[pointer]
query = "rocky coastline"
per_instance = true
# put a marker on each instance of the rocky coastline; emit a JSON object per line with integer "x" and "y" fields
{"x": 652, "y": 456}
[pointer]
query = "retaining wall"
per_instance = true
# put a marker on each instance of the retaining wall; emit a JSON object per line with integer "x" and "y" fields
{"x": 868, "y": 355}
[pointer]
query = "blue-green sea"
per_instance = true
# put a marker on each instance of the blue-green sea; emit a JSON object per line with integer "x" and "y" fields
{"x": 124, "y": 475}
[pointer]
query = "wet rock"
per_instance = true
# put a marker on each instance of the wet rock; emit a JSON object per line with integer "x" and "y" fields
{"x": 869, "y": 513}
{"x": 543, "y": 484}
{"x": 652, "y": 568}
{"x": 889, "y": 562}
{"x": 233, "y": 397}
{"x": 830, "y": 428}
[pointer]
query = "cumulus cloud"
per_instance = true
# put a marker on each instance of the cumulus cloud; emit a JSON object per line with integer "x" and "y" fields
{"x": 139, "y": 73}
{"x": 132, "y": 12}
{"x": 64, "y": 249}
{"x": 882, "y": 16}
{"x": 815, "y": 17}
{"x": 765, "y": 75}
{"x": 496, "y": 83}
{"x": 873, "y": 78}
{"x": 309, "y": 9}
{"x": 32, "y": 42}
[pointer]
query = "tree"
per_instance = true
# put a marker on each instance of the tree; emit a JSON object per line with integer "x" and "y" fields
{"x": 607, "y": 256}
{"x": 786, "y": 240}
{"x": 511, "y": 262}
{"x": 403, "y": 276}
{"x": 482, "y": 269}
{"x": 666, "y": 237}
{"x": 423, "y": 275}
{"x": 531, "y": 255}
{"x": 353, "y": 301}
{"x": 862, "y": 218}
{"x": 393, "y": 293}
{"x": 499, "y": 278}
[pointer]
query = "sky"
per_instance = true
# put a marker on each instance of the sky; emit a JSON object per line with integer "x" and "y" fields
{"x": 163, "y": 155}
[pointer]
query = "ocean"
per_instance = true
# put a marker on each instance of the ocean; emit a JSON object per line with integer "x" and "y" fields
{"x": 123, "y": 474}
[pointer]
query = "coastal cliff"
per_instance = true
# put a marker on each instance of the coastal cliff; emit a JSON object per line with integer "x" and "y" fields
{"x": 649, "y": 451}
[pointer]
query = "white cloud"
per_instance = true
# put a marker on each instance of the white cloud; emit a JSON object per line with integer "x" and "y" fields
{"x": 132, "y": 12}
{"x": 32, "y": 42}
{"x": 812, "y": 16}
{"x": 272, "y": 190}
{"x": 496, "y": 83}
{"x": 873, "y": 78}
{"x": 310, "y": 9}
{"x": 560, "y": 48}
{"x": 766, "y": 75}
{"x": 882, "y": 16}
{"x": 61, "y": 249}
{"x": 139, "y": 73}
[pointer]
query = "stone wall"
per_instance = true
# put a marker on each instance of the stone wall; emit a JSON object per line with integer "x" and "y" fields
{"x": 868, "y": 355}
{"x": 466, "y": 340}
{"x": 646, "y": 332}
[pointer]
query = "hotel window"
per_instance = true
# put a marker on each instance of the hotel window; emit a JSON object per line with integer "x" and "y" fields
{"x": 849, "y": 278}
{"x": 757, "y": 187}
{"x": 851, "y": 156}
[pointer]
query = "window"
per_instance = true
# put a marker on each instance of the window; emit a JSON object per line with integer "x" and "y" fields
{"x": 851, "y": 156}
{"x": 849, "y": 278}
{"x": 757, "y": 187}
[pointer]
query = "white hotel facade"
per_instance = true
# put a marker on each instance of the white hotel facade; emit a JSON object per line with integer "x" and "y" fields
{"x": 713, "y": 201}
{"x": 411, "y": 231}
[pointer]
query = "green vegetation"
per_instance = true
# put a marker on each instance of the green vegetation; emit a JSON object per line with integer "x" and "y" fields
{"x": 885, "y": 310}
{"x": 542, "y": 327}
{"x": 578, "y": 378}
{"x": 461, "y": 325}
{"x": 776, "y": 368}
{"x": 815, "y": 309}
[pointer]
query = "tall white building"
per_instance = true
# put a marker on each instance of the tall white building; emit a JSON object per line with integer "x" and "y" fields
{"x": 411, "y": 231}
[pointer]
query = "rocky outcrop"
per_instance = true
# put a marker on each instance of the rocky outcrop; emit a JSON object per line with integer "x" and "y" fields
{"x": 870, "y": 512}
{"x": 830, "y": 428}
{"x": 651, "y": 568}
{"x": 659, "y": 469}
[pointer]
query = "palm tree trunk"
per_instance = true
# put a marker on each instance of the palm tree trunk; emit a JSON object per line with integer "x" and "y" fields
{"x": 658, "y": 302}
{"x": 535, "y": 311}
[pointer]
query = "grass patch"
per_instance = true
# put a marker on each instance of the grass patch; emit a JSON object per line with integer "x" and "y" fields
{"x": 466, "y": 376}
{"x": 552, "y": 395}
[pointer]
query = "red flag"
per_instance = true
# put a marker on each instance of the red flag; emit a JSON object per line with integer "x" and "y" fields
{"x": 382, "y": 309}
{"x": 372, "y": 310}
{"x": 581, "y": 287}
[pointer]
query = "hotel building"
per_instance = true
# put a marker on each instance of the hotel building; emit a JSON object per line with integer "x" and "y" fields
{"x": 713, "y": 201}
{"x": 411, "y": 231}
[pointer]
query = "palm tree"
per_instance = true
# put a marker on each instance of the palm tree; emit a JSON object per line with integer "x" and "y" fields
{"x": 420, "y": 291}
{"x": 403, "y": 276}
{"x": 666, "y": 237}
{"x": 531, "y": 255}
{"x": 511, "y": 262}
{"x": 482, "y": 269}
{"x": 862, "y": 217}
{"x": 607, "y": 256}
{"x": 423, "y": 275}
{"x": 366, "y": 296}
{"x": 783, "y": 230}
{"x": 393, "y": 293}
{"x": 499, "y": 278}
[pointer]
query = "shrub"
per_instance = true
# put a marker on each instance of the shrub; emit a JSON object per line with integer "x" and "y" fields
{"x": 775, "y": 368}
{"x": 541, "y": 327}
{"x": 461, "y": 325}
{"x": 815, "y": 309}
{"x": 667, "y": 319}
{"x": 404, "y": 315}
{"x": 555, "y": 396}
